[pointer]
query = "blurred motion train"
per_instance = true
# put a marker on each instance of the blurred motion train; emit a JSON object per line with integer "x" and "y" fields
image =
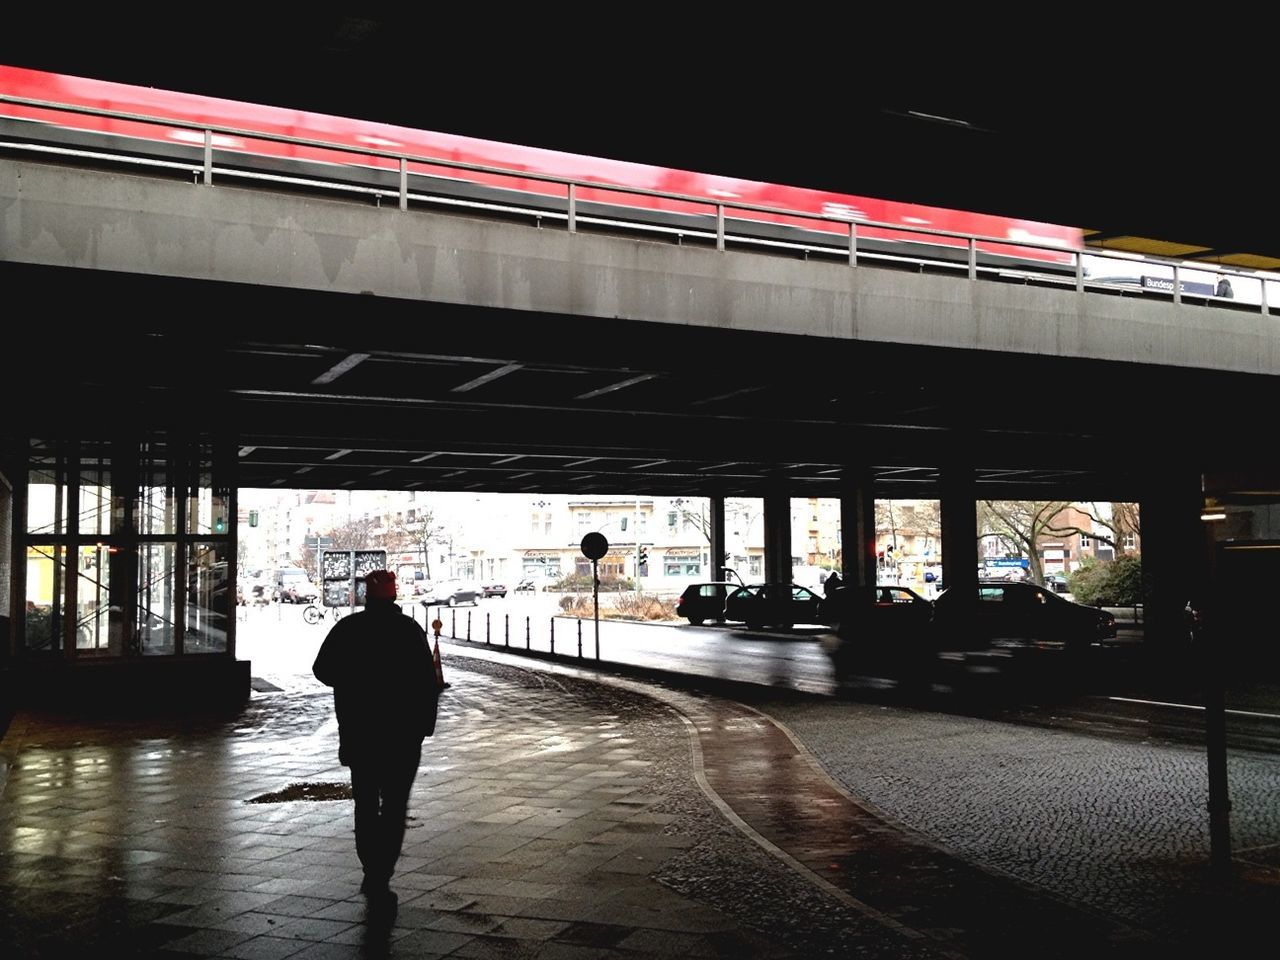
{"x": 355, "y": 154}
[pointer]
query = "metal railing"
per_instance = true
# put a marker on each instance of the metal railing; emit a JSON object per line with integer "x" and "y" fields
{"x": 1249, "y": 287}
{"x": 535, "y": 640}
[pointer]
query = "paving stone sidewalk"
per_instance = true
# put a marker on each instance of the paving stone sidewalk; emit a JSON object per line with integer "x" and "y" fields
{"x": 552, "y": 817}
{"x": 555, "y": 815}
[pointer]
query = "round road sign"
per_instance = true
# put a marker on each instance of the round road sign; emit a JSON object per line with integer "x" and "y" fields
{"x": 594, "y": 546}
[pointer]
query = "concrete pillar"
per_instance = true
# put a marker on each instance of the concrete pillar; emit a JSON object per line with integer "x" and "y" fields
{"x": 777, "y": 535}
{"x": 1174, "y": 561}
{"x": 959, "y": 530}
{"x": 858, "y": 528}
{"x": 716, "y": 535}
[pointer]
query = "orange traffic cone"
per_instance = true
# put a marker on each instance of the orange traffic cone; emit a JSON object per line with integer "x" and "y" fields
{"x": 435, "y": 657}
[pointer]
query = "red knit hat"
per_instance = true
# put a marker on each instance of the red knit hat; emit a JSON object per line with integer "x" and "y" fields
{"x": 380, "y": 585}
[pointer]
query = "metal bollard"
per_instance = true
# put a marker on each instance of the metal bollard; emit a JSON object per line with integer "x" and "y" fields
{"x": 453, "y": 627}
{"x": 553, "y": 636}
{"x": 506, "y": 630}
{"x": 486, "y": 628}
{"x": 468, "y": 626}
{"x": 527, "y": 634}
{"x": 579, "y": 638}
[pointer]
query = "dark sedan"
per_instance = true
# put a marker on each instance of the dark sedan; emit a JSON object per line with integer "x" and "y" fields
{"x": 1023, "y": 613}
{"x": 450, "y": 593}
{"x": 773, "y": 604}
{"x": 704, "y": 601}
{"x": 878, "y": 628}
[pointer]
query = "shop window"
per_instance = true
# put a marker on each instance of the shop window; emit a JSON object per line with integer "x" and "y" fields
{"x": 156, "y": 511}
{"x": 45, "y": 591}
{"x": 46, "y": 500}
{"x": 155, "y": 628}
{"x": 95, "y": 627}
{"x": 208, "y": 599}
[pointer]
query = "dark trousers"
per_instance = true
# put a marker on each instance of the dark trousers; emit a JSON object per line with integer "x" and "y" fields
{"x": 381, "y": 787}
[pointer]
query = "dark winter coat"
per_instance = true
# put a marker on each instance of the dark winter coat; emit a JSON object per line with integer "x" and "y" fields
{"x": 385, "y": 690}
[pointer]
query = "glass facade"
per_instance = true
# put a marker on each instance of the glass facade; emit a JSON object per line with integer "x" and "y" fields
{"x": 46, "y": 576}
{"x": 154, "y": 628}
{"x": 130, "y": 549}
{"x": 210, "y": 598}
{"x": 93, "y": 600}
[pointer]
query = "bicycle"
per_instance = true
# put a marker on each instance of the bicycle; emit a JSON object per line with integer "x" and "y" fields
{"x": 314, "y": 614}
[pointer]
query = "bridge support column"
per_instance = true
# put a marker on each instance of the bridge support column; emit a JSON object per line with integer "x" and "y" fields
{"x": 777, "y": 535}
{"x": 716, "y": 535}
{"x": 858, "y": 528}
{"x": 959, "y": 531}
{"x": 1174, "y": 563}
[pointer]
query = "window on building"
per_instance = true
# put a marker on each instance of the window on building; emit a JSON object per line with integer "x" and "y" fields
{"x": 534, "y": 525}
{"x": 584, "y": 522}
{"x": 672, "y": 519}
{"x": 682, "y": 568}
{"x": 1085, "y": 542}
{"x": 755, "y": 566}
{"x": 411, "y": 516}
{"x": 546, "y": 523}
{"x": 1130, "y": 541}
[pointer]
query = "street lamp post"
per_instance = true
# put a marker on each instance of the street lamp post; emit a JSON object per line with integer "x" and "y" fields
{"x": 637, "y": 523}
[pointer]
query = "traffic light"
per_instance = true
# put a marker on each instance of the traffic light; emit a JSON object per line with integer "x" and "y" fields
{"x": 219, "y": 524}
{"x": 644, "y": 554}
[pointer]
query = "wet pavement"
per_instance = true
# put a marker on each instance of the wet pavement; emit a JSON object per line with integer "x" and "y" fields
{"x": 558, "y": 816}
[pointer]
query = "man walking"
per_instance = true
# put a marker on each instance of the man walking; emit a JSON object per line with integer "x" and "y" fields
{"x": 386, "y": 695}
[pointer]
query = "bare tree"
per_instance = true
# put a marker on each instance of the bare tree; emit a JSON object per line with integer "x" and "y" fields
{"x": 887, "y": 519}
{"x": 420, "y": 535}
{"x": 1019, "y": 525}
{"x": 919, "y": 519}
{"x": 700, "y": 520}
{"x": 309, "y": 561}
{"x": 1123, "y": 522}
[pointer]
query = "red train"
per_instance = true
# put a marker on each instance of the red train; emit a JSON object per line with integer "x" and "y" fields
{"x": 240, "y": 150}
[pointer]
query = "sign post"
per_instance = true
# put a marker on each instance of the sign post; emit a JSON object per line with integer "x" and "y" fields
{"x": 595, "y": 546}
{"x": 342, "y": 575}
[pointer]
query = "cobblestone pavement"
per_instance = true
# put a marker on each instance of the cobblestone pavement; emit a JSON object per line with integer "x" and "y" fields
{"x": 558, "y": 816}
{"x": 1119, "y": 827}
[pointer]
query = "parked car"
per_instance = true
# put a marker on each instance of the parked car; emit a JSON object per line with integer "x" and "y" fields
{"x": 773, "y": 604}
{"x": 704, "y": 601}
{"x": 296, "y": 591}
{"x": 878, "y": 628}
{"x": 493, "y": 590}
{"x": 450, "y": 593}
{"x": 1022, "y": 612}
{"x": 1056, "y": 582}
